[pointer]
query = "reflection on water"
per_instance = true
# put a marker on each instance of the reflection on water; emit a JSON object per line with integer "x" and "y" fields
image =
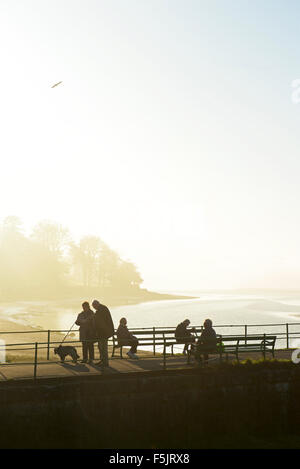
{"x": 223, "y": 309}
{"x": 251, "y": 310}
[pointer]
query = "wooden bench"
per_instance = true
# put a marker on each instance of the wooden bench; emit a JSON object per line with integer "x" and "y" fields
{"x": 235, "y": 345}
{"x": 226, "y": 345}
{"x": 152, "y": 337}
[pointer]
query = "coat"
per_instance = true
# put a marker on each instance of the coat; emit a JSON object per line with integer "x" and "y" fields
{"x": 182, "y": 332}
{"x": 123, "y": 334}
{"x": 104, "y": 323}
{"x": 207, "y": 340}
{"x": 87, "y": 327}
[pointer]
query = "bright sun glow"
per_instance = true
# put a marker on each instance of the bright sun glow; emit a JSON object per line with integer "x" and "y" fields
{"x": 172, "y": 135}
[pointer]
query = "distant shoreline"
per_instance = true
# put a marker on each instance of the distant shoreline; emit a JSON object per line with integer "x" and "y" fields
{"x": 137, "y": 297}
{"x": 26, "y": 314}
{"x": 145, "y": 297}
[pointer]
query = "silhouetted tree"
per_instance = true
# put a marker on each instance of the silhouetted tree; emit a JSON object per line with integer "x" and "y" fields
{"x": 127, "y": 276}
{"x": 86, "y": 254}
{"x": 38, "y": 264}
{"x": 25, "y": 264}
{"x": 52, "y": 236}
{"x": 108, "y": 265}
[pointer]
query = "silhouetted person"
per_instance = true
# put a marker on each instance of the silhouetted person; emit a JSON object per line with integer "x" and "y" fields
{"x": 207, "y": 342}
{"x": 125, "y": 337}
{"x": 183, "y": 335}
{"x": 104, "y": 330}
{"x": 87, "y": 332}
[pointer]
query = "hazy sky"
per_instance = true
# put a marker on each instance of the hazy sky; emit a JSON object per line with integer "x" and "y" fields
{"x": 173, "y": 136}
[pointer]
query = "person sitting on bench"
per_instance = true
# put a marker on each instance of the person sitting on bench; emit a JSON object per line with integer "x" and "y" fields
{"x": 183, "y": 335}
{"x": 207, "y": 342}
{"x": 126, "y": 338}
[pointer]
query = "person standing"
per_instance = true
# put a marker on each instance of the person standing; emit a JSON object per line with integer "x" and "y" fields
{"x": 104, "y": 330}
{"x": 87, "y": 333}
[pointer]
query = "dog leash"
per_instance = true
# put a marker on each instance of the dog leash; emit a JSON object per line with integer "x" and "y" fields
{"x": 67, "y": 333}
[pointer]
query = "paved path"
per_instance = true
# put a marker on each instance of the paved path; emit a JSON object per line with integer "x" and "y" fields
{"x": 117, "y": 365}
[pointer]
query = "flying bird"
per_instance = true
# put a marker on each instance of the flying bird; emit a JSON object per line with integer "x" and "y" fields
{"x": 56, "y": 84}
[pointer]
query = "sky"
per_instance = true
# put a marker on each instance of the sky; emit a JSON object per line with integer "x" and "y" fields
{"x": 174, "y": 135}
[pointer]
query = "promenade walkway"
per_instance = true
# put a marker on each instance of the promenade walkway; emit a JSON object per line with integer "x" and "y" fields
{"x": 144, "y": 364}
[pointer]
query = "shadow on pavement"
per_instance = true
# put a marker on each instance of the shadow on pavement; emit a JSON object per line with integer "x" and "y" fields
{"x": 79, "y": 367}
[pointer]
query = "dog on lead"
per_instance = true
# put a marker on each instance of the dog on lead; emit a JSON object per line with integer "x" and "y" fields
{"x": 63, "y": 351}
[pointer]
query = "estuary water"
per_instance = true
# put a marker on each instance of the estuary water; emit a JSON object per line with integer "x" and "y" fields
{"x": 230, "y": 311}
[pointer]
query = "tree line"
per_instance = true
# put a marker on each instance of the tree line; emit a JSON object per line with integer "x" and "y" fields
{"x": 48, "y": 260}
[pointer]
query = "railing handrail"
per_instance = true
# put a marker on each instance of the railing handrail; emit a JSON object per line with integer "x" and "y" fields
{"x": 160, "y": 334}
{"x": 151, "y": 328}
{"x": 161, "y": 331}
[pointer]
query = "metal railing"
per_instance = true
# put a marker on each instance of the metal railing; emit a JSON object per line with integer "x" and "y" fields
{"x": 40, "y": 346}
{"x": 285, "y": 334}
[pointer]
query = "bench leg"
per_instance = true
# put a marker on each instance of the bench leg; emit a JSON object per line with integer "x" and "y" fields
{"x": 164, "y": 359}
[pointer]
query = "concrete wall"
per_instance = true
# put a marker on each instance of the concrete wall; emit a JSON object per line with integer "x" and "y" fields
{"x": 150, "y": 410}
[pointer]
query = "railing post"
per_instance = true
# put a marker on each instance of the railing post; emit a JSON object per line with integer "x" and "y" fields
{"x": 35, "y": 360}
{"x": 164, "y": 353}
{"x": 287, "y": 337}
{"x": 221, "y": 349}
{"x": 245, "y": 334}
{"x": 48, "y": 345}
{"x": 154, "y": 341}
{"x": 264, "y": 346}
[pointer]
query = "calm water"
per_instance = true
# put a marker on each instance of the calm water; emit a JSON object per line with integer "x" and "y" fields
{"x": 223, "y": 308}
